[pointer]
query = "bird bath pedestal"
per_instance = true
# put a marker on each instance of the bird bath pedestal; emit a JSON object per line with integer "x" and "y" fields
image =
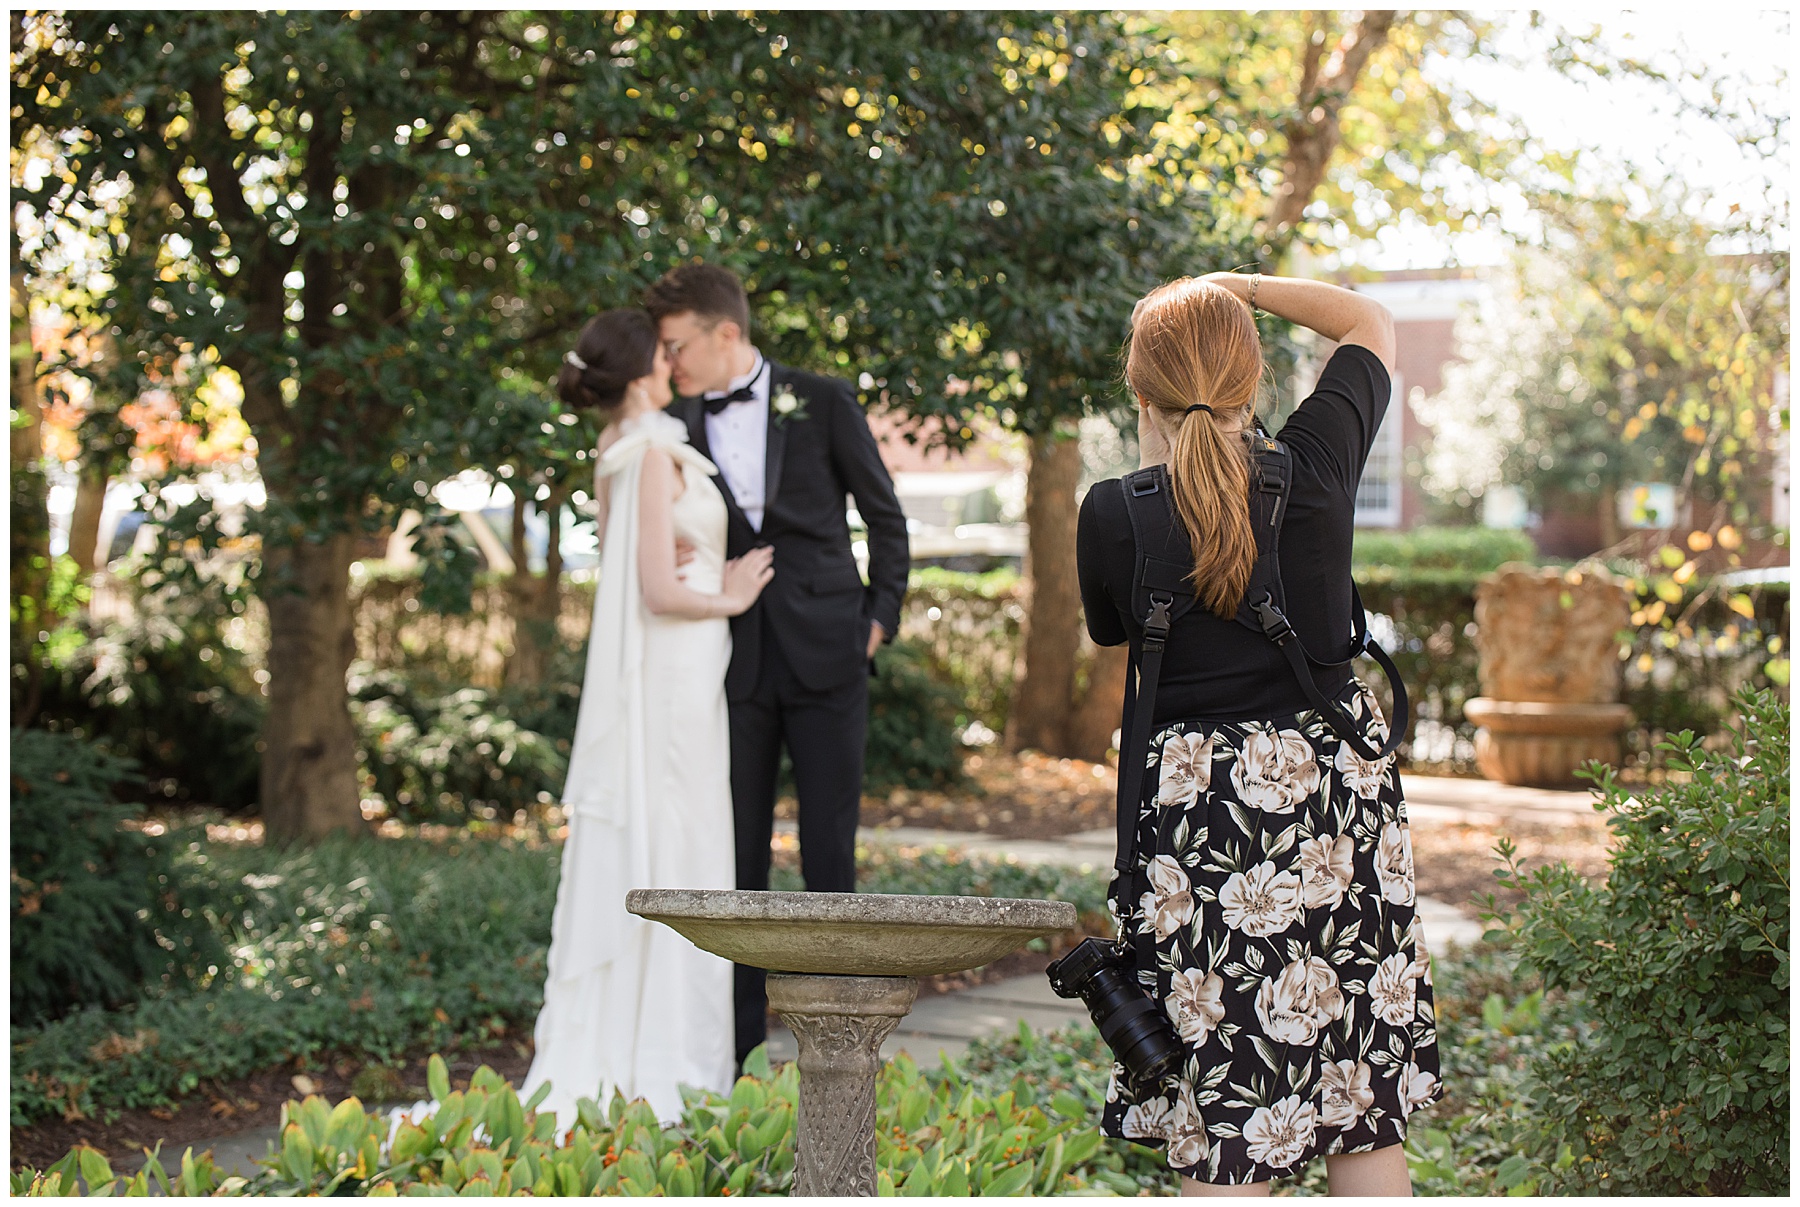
{"x": 843, "y": 971}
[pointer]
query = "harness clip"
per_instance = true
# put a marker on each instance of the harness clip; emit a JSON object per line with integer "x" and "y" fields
{"x": 1275, "y": 626}
{"x": 1157, "y": 623}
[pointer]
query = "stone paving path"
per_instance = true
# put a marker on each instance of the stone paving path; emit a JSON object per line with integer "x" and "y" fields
{"x": 945, "y": 1024}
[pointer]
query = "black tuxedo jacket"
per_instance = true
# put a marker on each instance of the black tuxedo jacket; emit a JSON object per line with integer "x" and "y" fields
{"x": 817, "y": 606}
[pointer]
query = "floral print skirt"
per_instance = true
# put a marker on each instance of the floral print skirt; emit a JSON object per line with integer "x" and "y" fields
{"x": 1271, "y": 913}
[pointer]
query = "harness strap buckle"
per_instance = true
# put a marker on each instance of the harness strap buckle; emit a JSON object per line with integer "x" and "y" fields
{"x": 1275, "y": 626}
{"x": 1156, "y": 624}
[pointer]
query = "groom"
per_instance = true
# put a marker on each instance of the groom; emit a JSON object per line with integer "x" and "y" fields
{"x": 789, "y": 446}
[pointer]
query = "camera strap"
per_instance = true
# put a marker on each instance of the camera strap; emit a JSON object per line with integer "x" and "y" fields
{"x": 1163, "y": 591}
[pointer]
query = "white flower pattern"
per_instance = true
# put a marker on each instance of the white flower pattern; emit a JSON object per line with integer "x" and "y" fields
{"x": 1364, "y": 777}
{"x": 1391, "y": 989}
{"x": 1184, "y": 771}
{"x": 1344, "y": 1093}
{"x": 1394, "y": 863}
{"x": 1275, "y": 770}
{"x": 1261, "y": 902}
{"x": 1295, "y": 1005}
{"x": 1418, "y": 1086}
{"x": 1169, "y": 905}
{"x": 1278, "y": 1135}
{"x": 1326, "y": 868}
{"x": 1186, "y": 1132}
{"x": 1195, "y": 1003}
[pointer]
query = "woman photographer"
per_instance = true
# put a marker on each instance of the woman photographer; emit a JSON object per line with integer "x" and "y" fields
{"x": 1269, "y": 908}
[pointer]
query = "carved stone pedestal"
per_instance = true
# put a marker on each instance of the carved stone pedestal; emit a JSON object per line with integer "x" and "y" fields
{"x": 840, "y": 1022}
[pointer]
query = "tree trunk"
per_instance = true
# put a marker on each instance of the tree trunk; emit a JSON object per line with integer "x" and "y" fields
{"x": 1099, "y": 714}
{"x": 1044, "y": 703}
{"x": 30, "y": 512}
{"x": 536, "y": 599}
{"x": 84, "y": 522}
{"x": 309, "y": 776}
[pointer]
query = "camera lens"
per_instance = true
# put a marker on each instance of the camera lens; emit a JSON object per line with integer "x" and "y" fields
{"x": 1130, "y": 1022}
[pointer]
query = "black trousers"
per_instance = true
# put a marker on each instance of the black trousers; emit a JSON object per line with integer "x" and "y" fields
{"x": 824, "y": 732}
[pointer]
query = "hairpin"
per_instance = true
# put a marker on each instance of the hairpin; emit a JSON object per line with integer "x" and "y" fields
{"x": 571, "y": 358}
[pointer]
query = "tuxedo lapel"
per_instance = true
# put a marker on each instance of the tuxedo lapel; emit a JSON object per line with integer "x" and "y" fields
{"x": 776, "y": 448}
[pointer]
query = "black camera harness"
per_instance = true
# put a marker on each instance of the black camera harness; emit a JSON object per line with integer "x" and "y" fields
{"x": 1162, "y": 592}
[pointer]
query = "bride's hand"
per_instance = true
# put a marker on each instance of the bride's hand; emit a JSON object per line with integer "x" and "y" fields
{"x": 745, "y": 578}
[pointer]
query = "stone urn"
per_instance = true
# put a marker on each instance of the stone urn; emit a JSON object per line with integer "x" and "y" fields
{"x": 1549, "y": 699}
{"x": 843, "y": 971}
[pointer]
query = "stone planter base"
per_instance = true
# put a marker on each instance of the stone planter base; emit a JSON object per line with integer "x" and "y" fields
{"x": 1539, "y": 744}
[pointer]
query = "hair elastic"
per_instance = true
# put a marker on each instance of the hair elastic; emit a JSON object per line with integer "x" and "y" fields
{"x": 571, "y": 358}
{"x": 1198, "y": 406}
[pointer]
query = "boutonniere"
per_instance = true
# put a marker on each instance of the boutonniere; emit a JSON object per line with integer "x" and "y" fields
{"x": 787, "y": 406}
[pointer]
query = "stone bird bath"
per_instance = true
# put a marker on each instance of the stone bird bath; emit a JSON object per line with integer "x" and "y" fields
{"x": 844, "y": 971}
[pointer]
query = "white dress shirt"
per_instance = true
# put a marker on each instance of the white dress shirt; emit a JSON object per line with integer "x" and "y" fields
{"x": 739, "y": 439}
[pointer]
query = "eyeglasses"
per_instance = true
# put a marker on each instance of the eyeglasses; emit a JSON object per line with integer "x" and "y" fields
{"x": 674, "y": 347}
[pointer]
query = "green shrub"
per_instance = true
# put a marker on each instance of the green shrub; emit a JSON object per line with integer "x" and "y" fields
{"x": 912, "y": 724}
{"x": 371, "y": 947}
{"x": 969, "y": 626}
{"x": 1682, "y": 957}
{"x": 100, "y": 912}
{"x": 165, "y": 691}
{"x": 1470, "y": 550}
{"x": 456, "y": 756}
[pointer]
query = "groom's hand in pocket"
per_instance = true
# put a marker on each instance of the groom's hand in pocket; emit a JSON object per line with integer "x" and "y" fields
{"x": 876, "y": 634}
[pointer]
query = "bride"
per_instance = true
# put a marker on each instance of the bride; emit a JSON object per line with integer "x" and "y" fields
{"x": 629, "y": 1005}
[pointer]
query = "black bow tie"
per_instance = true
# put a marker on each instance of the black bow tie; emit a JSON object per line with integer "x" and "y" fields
{"x": 741, "y": 394}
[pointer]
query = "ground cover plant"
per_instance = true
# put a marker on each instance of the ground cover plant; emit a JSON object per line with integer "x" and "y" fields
{"x": 374, "y": 948}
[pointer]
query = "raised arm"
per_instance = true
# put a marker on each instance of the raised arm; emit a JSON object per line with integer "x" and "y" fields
{"x": 664, "y": 592}
{"x": 1340, "y": 315}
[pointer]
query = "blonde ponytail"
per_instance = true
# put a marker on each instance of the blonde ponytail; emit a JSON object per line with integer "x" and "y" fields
{"x": 1194, "y": 345}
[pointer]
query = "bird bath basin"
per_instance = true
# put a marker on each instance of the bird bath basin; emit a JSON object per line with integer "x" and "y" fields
{"x": 843, "y": 973}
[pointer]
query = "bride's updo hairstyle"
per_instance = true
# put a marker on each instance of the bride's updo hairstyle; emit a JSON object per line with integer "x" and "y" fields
{"x": 1195, "y": 343}
{"x": 614, "y": 350}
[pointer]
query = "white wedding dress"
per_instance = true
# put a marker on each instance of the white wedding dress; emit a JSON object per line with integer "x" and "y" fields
{"x": 630, "y": 1005}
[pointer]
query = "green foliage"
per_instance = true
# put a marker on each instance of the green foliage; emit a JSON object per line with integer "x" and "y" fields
{"x": 1683, "y": 958}
{"x": 101, "y": 913}
{"x": 86, "y": 1170}
{"x": 973, "y": 638}
{"x": 455, "y": 757}
{"x": 375, "y": 948}
{"x": 164, "y": 689}
{"x": 372, "y": 947}
{"x": 1467, "y": 550}
{"x": 912, "y": 724}
{"x": 1623, "y": 350}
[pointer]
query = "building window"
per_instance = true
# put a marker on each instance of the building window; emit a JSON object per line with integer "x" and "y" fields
{"x": 1378, "y": 494}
